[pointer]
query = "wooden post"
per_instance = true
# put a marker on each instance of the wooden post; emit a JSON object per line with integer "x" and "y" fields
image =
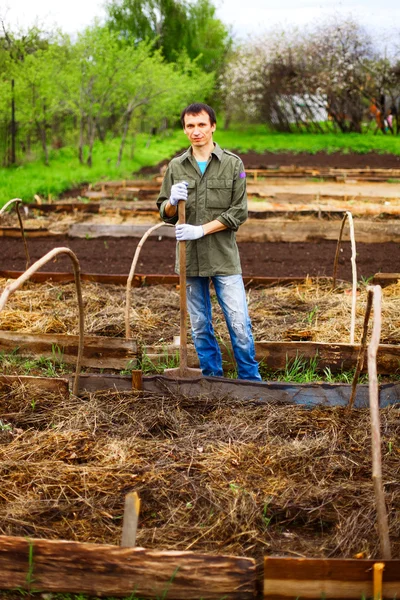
{"x": 382, "y": 517}
{"x": 182, "y": 289}
{"x": 378, "y": 572}
{"x": 130, "y": 522}
{"x": 360, "y": 359}
{"x": 137, "y": 379}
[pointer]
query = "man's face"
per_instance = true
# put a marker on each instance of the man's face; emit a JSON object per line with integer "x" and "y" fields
{"x": 199, "y": 129}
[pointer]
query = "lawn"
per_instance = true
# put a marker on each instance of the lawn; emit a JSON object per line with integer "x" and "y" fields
{"x": 65, "y": 172}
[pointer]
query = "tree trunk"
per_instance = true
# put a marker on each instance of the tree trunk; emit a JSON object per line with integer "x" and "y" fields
{"x": 81, "y": 129}
{"x": 92, "y": 135}
{"x": 124, "y": 134}
{"x": 13, "y": 158}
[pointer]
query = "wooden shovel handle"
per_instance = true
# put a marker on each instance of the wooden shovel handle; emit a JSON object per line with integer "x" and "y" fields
{"x": 182, "y": 287}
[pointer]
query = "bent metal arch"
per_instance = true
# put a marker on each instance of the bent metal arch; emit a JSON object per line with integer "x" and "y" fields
{"x": 12, "y": 287}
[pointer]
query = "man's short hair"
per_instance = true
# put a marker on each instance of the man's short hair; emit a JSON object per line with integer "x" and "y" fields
{"x": 197, "y": 108}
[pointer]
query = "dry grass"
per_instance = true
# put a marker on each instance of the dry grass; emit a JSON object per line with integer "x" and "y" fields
{"x": 310, "y": 311}
{"x": 217, "y": 476}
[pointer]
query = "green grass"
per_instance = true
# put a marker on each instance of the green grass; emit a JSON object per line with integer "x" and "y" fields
{"x": 257, "y": 138}
{"x": 65, "y": 172}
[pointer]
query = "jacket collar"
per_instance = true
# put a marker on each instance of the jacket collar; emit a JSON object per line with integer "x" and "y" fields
{"x": 218, "y": 152}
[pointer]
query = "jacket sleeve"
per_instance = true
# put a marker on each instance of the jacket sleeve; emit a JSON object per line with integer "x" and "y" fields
{"x": 163, "y": 197}
{"x": 237, "y": 212}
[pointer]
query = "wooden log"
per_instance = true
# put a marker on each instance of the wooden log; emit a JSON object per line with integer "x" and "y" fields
{"x": 48, "y": 384}
{"x": 99, "y": 351}
{"x": 307, "y": 578}
{"x": 102, "y": 570}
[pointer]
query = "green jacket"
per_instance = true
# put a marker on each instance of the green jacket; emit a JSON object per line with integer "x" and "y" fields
{"x": 218, "y": 194}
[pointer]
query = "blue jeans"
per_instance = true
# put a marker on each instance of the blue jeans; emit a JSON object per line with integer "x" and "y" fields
{"x": 232, "y": 299}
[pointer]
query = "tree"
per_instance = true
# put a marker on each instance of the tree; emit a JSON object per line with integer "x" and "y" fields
{"x": 175, "y": 27}
{"x": 14, "y": 48}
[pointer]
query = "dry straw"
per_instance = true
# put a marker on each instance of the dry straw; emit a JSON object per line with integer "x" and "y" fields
{"x": 219, "y": 476}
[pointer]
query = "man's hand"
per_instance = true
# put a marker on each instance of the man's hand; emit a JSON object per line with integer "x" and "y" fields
{"x": 188, "y": 232}
{"x": 178, "y": 192}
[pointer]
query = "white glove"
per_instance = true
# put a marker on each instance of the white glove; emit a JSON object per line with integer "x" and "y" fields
{"x": 188, "y": 232}
{"x": 178, "y": 192}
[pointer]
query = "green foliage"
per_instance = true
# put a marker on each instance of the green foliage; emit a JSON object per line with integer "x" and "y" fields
{"x": 176, "y": 27}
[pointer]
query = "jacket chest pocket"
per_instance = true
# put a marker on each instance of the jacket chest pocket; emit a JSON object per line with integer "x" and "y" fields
{"x": 219, "y": 193}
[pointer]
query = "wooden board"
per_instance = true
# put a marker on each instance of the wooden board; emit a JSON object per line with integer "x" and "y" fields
{"x": 276, "y": 355}
{"x": 94, "y": 230}
{"x": 337, "y": 357}
{"x": 385, "y": 279}
{"x": 306, "y": 578}
{"x": 103, "y": 570}
{"x": 254, "y": 230}
{"x": 315, "y": 394}
{"x": 48, "y": 384}
{"x": 285, "y": 230}
{"x": 29, "y": 232}
{"x": 151, "y": 279}
{"x": 93, "y": 382}
{"x": 99, "y": 351}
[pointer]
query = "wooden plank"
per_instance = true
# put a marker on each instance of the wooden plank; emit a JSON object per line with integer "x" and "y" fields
{"x": 338, "y": 357}
{"x": 29, "y": 232}
{"x": 310, "y": 395}
{"x": 102, "y": 570}
{"x": 286, "y": 230}
{"x": 93, "y": 382}
{"x": 48, "y": 384}
{"x": 273, "y": 230}
{"x": 94, "y": 230}
{"x": 275, "y": 355}
{"x": 152, "y": 279}
{"x": 385, "y": 279}
{"x": 99, "y": 351}
{"x": 307, "y": 578}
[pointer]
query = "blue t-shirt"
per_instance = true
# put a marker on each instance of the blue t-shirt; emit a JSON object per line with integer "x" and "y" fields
{"x": 202, "y": 165}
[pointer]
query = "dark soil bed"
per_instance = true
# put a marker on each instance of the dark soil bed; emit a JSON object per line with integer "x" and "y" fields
{"x": 114, "y": 255}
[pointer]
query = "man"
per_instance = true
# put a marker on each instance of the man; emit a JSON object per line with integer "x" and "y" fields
{"x": 212, "y": 182}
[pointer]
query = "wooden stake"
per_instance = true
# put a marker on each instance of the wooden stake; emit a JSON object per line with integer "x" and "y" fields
{"x": 130, "y": 522}
{"x": 378, "y": 573}
{"x": 361, "y": 353}
{"x": 348, "y": 216}
{"x": 382, "y": 517}
{"x": 137, "y": 379}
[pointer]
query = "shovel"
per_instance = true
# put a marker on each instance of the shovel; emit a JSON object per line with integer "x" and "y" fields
{"x": 183, "y": 370}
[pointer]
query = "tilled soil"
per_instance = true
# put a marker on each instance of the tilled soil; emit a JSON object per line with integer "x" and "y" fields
{"x": 114, "y": 255}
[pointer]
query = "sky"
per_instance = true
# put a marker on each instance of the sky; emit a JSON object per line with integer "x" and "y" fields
{"x": 246, "y": 17}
